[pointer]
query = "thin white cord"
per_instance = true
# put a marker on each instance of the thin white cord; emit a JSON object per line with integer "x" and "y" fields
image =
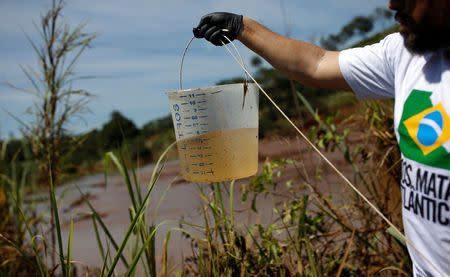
{"x": 237, "y": 51}
{"x": 331, "y": 165}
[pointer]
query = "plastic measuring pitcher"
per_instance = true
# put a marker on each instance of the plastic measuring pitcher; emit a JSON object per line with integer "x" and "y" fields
{"x": 216, "y": 131}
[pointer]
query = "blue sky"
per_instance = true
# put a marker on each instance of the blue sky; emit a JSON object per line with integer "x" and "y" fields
{"x": 136, "y": 57}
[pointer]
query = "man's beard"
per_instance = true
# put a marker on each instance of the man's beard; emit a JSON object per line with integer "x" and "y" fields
{"x": 422, "y": 40}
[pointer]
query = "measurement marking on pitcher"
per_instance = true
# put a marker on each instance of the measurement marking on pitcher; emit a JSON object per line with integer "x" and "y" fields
{"x": 195, "y": 117}
{"x": 202, "y": 164}
{"x": 203, "y": 172}
{"x": 199, "y": 156}
{"x": 198, "y": 148}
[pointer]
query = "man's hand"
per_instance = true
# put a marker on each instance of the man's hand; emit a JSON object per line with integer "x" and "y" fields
{"x": 214, "y": 26}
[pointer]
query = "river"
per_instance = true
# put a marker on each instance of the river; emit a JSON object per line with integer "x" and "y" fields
{"x": 182, "y": 202}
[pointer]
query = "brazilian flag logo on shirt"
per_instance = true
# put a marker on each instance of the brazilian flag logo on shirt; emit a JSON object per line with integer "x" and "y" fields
{"x": 424, "y": 129}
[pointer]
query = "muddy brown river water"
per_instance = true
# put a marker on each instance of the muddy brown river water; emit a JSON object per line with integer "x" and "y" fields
{"x": 182, "y": 201}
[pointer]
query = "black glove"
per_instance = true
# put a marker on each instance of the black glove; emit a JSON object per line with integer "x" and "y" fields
{"x": 214, "y": 26}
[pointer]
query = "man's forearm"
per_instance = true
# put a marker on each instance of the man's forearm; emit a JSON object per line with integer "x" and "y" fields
{"x": 301, "y": 61}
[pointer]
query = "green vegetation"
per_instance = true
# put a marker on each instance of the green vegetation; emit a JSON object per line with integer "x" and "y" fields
{"x": 359, "y": 26}
{"x": 312, "y": 234}
{"x": 55, "y": 101}
{"x": 119, "y": 133}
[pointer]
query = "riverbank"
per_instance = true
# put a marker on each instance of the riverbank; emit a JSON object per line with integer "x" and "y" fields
{"x": 182, "y": 201}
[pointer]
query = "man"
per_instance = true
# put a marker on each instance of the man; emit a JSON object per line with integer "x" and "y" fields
{"x": 412, "y": 66}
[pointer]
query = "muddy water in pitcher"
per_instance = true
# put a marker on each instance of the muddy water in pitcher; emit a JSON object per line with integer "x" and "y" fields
{"x": 219, "y": 156}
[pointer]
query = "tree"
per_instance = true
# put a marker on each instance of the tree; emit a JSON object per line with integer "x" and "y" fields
{"x": 157, "y": 126}
{"x": 358, "y": 26}
{"x": 116, "y": 130}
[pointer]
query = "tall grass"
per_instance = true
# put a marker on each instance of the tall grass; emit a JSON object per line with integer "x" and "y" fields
{"x": 307, "y": 239}
{"x": 38, "y": 259}
{"x": 139, "y": 228}
{"x": 27, "y": 225}
{"x": 19, "y": 256}
{"x": 309, "y": 236}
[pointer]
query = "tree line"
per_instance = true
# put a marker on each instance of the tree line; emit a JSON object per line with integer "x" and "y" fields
{"x": 119, "y": 131}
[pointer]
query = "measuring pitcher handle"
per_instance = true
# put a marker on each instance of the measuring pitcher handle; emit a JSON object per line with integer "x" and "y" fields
{"x": 235, "y": 48}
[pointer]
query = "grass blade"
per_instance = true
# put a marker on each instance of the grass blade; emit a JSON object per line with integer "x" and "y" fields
{"x": 123, "y": 171}
{"x": 102, "y": 224}
{"x": 150, "y": 238}
{"x": 301, "y": 227}
{"x": 152, "y": 251}
{"x": 58, "y": 227}
{"x": 104, "y": 263}
{"x": 231, "y": 204}
{"x": 311, "y": 258}
{"x": 127, "y": 179}
{"x": 391, "y": 231}
{"x": 135, "y": 179}
{"x": 97, "y": 237}
{"x": 159, "y": 161}
{"x": 131, "y": 227}
{"x": 164, "y": 261}
{"x": 35, "y": 250}
{"x": 141, "y": 251}
{"x": 69, "y": 248}
{"x": 223, "y": 213}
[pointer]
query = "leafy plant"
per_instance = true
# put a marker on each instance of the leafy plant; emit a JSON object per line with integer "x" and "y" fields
{"x": 56, "y": 102}
{"x": 16, "y": 254}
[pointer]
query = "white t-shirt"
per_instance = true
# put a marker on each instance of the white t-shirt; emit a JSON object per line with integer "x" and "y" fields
{"x": 420, "y": 85}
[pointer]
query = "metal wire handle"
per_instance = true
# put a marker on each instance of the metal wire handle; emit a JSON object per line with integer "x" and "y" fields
{"x": 235, "y": 48}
